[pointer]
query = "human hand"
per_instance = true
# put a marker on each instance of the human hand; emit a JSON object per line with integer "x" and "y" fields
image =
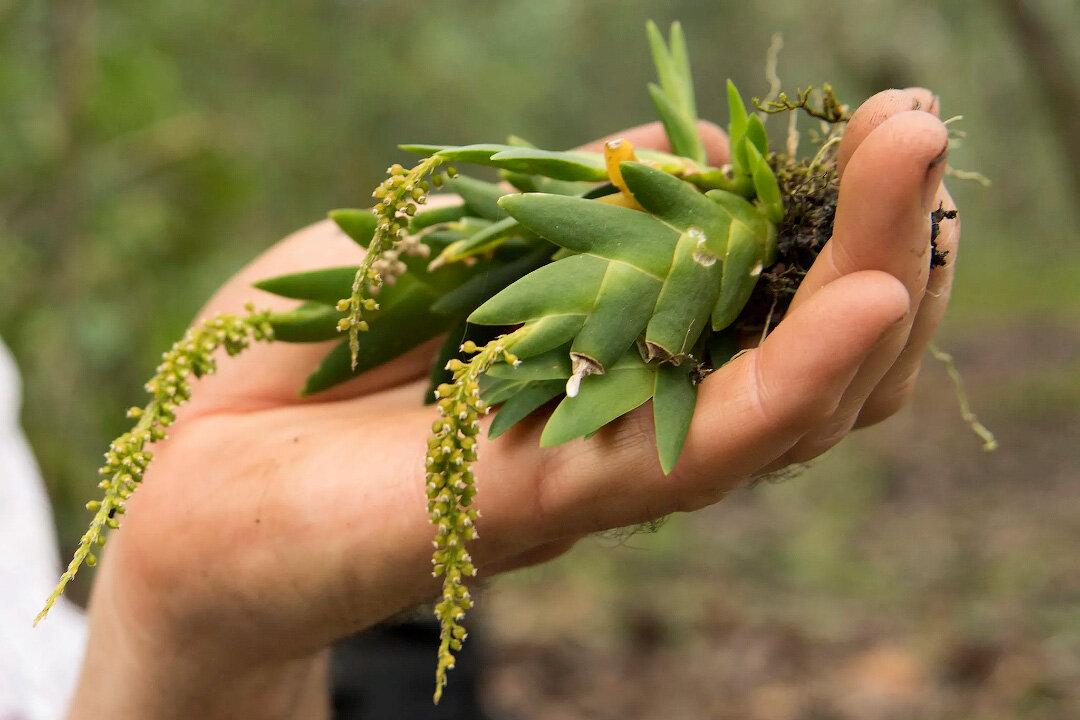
{"x": 271, "y": 525}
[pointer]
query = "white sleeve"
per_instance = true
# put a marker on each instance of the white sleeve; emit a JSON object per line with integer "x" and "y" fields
{"x": 38, "y": 666}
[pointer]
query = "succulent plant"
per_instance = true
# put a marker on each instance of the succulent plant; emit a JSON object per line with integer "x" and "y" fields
{"x": 586, "y": 282}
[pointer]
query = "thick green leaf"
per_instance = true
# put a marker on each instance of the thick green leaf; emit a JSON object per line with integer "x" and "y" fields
{"x": 552, "y": 365}
{"x": 329, "y": 285}
{"x": 677, "y": 203}
{"x": 311, "y": 322}
{"x": 680, "y": 60}
{"x": 667, "y": 70}
{"x": 522, "y": 404}
{"x": 751, "y": 246}
{"x": 766, "y": 186}
{"x": 693, "y": 282}
{"x": 743, "y": 263}
{"x": 357, "y": 224}
{"x": 737, "y": 116}
{"x": 608, "y": 231}
{"x": 674, "y": 96}
{"x": 674, "y": 164}
{"x": 568, "y": 165}
{"x": 568, "y": 286}
{"x": 601, "y": 399}
{"x": 674, "y": 399}
{"x": 400, "y": 326}
{"x": 481, "y": 242}
{"x": 548, "y": 332}
{"x": 494, "y": 390}
{"x": 470, "y": 294}
{"x": 756, "y": 135}
{"x": 738, "y": 207}
{"x": 325, "y": 286}
{"x": 436, "y": 216}
{"x": 685, "y": 301}
{"x": 481, "y": 198}
{"x": 539, "y": 183}
{"x": 620, "y": 311}
{"x": 680, "y": 128}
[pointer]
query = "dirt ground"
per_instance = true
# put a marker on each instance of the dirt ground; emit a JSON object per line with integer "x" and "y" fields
{"x": 905, "y": 575}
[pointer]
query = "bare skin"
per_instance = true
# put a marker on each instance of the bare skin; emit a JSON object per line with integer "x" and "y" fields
{"x": 270, "y": 526}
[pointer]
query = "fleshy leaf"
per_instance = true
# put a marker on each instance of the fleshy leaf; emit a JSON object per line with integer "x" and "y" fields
{"x": 399, "y": 326}
{"x": 568, "y": 165}
{"x": 567, "y": 286}
{"x": 486, "y": 240}
{"x": 325, "y": 286}
{"x": 766, "y": 186}
{"x": 548, "y": 332}
{"x": 311, "y": 322}
{"x": 357, "y": 224}
{"x": 607, "y": 231}
{"x": 737, "y": 117}
{"x": 552, "y": 365}
{"x": 625, "y": 386}
{"x": 522, "y": 404}
{"x": 756, "y": 135}
{"x": 744, "y": 260}
{"x": 620, "y": 311}
{"x": 437, "y": 216}
{"x": 470, "y": 294}
{"x": 481, "y": 198}
{"x": 673, "y": 408}
{"x": 680, "y": 129}
{"x": 674, "y": 96}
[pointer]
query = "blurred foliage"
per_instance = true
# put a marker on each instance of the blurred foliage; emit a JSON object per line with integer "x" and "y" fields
{"x": 149, "y": 149}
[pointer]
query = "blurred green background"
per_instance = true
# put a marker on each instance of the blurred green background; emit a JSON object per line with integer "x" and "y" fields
{"x": 149, "y": 149}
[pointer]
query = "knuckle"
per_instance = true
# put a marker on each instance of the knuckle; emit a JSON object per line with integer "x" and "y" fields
{"x": 883, "y": 404}
{"x": 818, "y": 444}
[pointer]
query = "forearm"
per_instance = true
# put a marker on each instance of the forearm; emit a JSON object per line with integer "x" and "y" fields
{"x": 164, "y": 690}
{"x": 135, "y": 671}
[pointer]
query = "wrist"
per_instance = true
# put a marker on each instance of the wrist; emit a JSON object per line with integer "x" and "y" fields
{"x": 133, "y": 669}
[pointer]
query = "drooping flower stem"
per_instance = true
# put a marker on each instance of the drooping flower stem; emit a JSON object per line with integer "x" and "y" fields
{"x": 398, "y": 197}
{"x": 127, "y": 458}
{"x": 451, "y": 488}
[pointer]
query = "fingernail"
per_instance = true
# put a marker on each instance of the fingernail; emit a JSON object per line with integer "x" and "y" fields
{"x": 934, "y": 172}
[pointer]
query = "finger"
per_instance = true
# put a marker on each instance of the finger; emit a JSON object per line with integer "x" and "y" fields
{"x": 653, "y": 136}
{"x": 898, "y": 384}
{"x": 882, "y": 223}
{"x": 872, "y": 113}
{"x": 928, "y": 101}
{"x": 749, "y": 412}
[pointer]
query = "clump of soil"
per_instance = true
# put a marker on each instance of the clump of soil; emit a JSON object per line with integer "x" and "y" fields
{"x": 810, "y": 189}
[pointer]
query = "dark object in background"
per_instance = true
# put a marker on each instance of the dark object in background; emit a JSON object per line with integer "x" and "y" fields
{"x": 385, "y": 674}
